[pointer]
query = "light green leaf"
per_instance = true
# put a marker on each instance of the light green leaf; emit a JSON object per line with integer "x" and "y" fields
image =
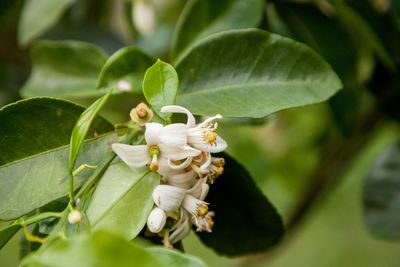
{"x": 201, "y": 18}
{"x": 124, "y": 68}
{"x": 122, "y": 200}
{"x": 160, "y": 85}
{"x": 35, "y": 134}
{"x": 382, "y": 195}
{"x": 64, "y": 69}
{"x": 106, "y": 249}
{"x": 7, "y": 232}
{"x": 171, "y": 257}
{"x": 82, "y": 127}
{"x": 261, "y": 74}
{"x": 37, "y": 16}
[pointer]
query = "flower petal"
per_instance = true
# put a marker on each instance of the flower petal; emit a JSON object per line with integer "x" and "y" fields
{"x": 220, "y": 146}
{"x": 178, "y": 109}
{"x": 134, "y": 156}
{"x": 183, "y": 180}
{"x": 178, "y": 153}
{"x": 204, "y": 168}
{"x": 168, "y": 197}
{"x": 181, "y": 166}
{"x": 156, "y": 220}
{"x": 207, "y": 121}
{"x": 152, "y": 133}
{"x": 180, "y": 232}
{"x": 174, "y": 134}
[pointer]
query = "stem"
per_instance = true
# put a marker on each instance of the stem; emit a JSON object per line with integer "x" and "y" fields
{"x": 41, "y": 216}
{"x": 71, "y": 188}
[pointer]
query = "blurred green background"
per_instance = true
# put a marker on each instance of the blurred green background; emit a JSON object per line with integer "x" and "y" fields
{"x": 310, "y": 162}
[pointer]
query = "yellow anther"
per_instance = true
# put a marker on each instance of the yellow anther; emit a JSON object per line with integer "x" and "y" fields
{"x": 197, "y": 170}
{"x": 220, "y": 170}
{"x": 210, "y": 137}
{"x": 202, "y": 210}
{"x": 153, "y": 166}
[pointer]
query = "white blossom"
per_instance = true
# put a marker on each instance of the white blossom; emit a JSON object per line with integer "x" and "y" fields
{"x": 156, "y": 220}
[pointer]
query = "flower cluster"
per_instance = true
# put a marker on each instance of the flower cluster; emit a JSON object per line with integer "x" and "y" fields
{"x": 181, "y": 154}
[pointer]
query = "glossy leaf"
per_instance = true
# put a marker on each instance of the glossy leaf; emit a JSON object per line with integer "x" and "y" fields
{"x": 7, "y": 232}
{"x": 201, "y": 18}
{"x": 382, "y": 195}
{"x": 64, "y": 69}
{"x": 82, "y": 127}
{"x": 34, "y": 152}
{"x": 37, "y": 16}
{"x": 245, "y": 221}
{"x": 124, "y": 70}
{"x": 122, "y": 200}
{"x": 262, "y": 74}
{"x": 106, "y": 249}
{"x": 160, "y": 85}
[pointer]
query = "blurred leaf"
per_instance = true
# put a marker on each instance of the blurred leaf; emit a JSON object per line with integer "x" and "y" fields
{"x": 160, "y": 85}
{"x": 245, "y": 221}
{"x": 128, "y": 65}
{"x": 201, "y": 18}
{"x": 34, "y": 151}
{"x": 261, "y": 74}
{"x": 64, "y": 69}
{"x": 7, "y": 232}
{"x": 82, "y": 127}
{"x": 122, "y": 200}
{"x": 382, "y": 195}
{"x": 37, "y": 16}
{"x": 362, "y": 32}
{"x": 170, "y": 257}
{"x": 105, "y": 249}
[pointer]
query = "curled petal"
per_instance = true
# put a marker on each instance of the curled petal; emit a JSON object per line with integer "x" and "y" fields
{"x": 168, "y": 197}
{"x": 207, "y": 121}
{"x": 174, "y": 135}
{"x": 156, "y": 220}
{"x": 180, "y": 232}
{"x": 164, "y": 168}
{"x": 178, "y": 153}
{"x": 200, "y": 189}
{"x": 220, "y": 145}
{"x": 152, "y": 133}
{"x": 134, "y": 156}
{"x": 178, "y": 109}
{"x": 204, "y": 168}
{"x": 181, "y": 166}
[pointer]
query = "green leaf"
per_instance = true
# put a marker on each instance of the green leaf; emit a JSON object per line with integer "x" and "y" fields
{"x": 382, "y": 195}
{"x": 160, "y": 85}
{"x": 261, "y": 74}
{"x": 37, "y": 16}
{"x": 7, "y": 232}
{"x": 122, "y": 200}
{"x": 35, "y": 134}
{"x": 201, "y": 18}
{"x": 127, "y": 65}
{"x": 245, "y": 221}
{"x": 105, "y": 249}
{"x": 64, "y": 69}
{"x": 82, "y": 127}
{"x": 171, "y": 257}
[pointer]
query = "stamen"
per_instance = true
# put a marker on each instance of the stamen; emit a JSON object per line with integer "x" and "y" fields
{"x": 154, "y": 152}
{"x": 202, "y": 209}
{"x": 197, "y": 170}
{"x": 209, "y": 137}
{"x": 220, "y": 162}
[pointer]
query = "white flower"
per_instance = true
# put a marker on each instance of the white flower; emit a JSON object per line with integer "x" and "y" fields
{"x": 181, "y": 229}
{"x": 167, "y": 142}
{"x": 156, "y": 220}
{"x": 203, "y": 135}
{"x": 168, "y": 197}
{"x": 144, "y": 17}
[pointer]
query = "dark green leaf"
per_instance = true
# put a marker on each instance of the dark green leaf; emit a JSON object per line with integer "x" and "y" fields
{"x": 261, "y": 74}
{"x": 64, "y": 69}
{"x": 37, "y": 16}
{"x": 122, "y": 200}
{"x": 201, "y": 18}
{"x": 160, "y": 85}
{"x": 105, "y": 249}
{"x": 82, "y": 127}
{"x": 7, "y": 232}
{"x": 382, "y": 195}
{"x": 245, "y": 221}
{"x": 34, "y": 152}
{"x": 125, "y": 67}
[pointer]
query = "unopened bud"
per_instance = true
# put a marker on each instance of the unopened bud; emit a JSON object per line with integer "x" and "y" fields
{"x": 74, "y": 217}
{"x": 141, "y": 114}
{"x": 156, "y": 220}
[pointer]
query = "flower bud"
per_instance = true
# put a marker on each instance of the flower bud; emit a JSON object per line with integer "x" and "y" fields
{"x": 74, "y": 217}
{"x": 141, "y": 114}
{"x": 168, "y": 197}
{"x": 156, "y": 220}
